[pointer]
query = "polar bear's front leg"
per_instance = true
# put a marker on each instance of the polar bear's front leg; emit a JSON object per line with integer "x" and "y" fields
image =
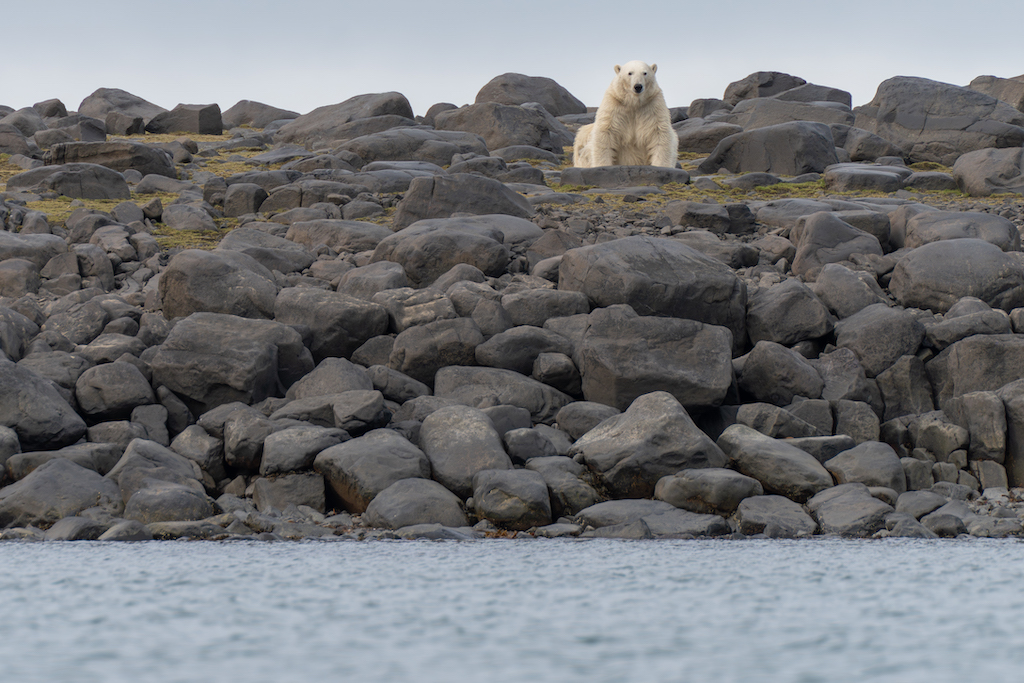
{"x": 601, "y": 151}
{"x": 666, "y": 153}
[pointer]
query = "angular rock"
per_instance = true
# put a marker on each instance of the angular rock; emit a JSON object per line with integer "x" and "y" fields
{"x": 849, "y": 510}
{"x": 442, "y": 196}
{"x": 339, "y": 323}
{"x": 789, "y": 149}
{"x": 775, "y": 374}
{"x": 294, "y": 449}
{"x": 989, "y": 171}
{"x": 653, "y": 438}
{"x": 35, "y": 410}
{"x": 823, "y": 238}
{"x": 879, "y": 335}
{"x": 781, "y": 468}
{"x": 217, "y": 282}
{"x": 658, "y": 277}
{"x": 871, "y": 463}
{"x": 55, "y": 490}
{"x": 518, "y": 89}
{"x": 460, "y": 441}
{"x": 502, "y": 125}
{"x": 320, "y": 126}
{"x": 118, "y": 156}
{"x": 485, "y": 387}
{"x": 774, "y": 516}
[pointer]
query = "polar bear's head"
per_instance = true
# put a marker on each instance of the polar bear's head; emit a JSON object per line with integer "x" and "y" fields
{"x": 636, "y": 78}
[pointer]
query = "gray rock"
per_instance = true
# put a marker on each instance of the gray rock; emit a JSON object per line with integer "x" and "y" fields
{"x": 78, "y": 180}
{"x": 568, "y": 492}
{"x": 517, "y": 89}
{"x": 294, "y": 449}
{"x": 167, "y": 502}
{"x": 823, "y": 238}
{"x": 989, "y": 171}
{"x": 339, "y": 323}
{"x": 849, "y": 509}
{"x": 415, "y": 501}
{"x": 320, "y": 126}
{"x": 623, "y": 355}
{"x": 932, "y": 226}
{"x": 98, "y": 457}
{"x": 761, "y": 112}
{"x": 331, "y": 376}
{"x": 421, "y": 351}
{"x": 780, "y": 467}
{"x": 218, "y": 282}
{"x": 211, "y": 359}
{"x": 697, "y": 134}
{"x": 35, "y": 410}
{"x": 512, "y": 499}
{"x": 937, "y": 275}
{"x": 933, "y": 121}
{"x": 872, "y": 464}
{"x": 685, "y": 524}
{"x": 431, "y": 248}
{"x": 485, "y": 387}
{"x": 340, "y": 235}
{"x": 580, "y": 417}
{"x": 789, "y": 149}
{"x": 460, "y": 441}
{"x": 777, "y": 422}
{"x": 365, "y": 282}
{"x": 300, "y": 489}
{"x": 112, "y": 390}
{"x": 55, "y": 490}
{"x": 983, "y": 415}
{"x": 617, "y": 512}
{"x": 786, "y": 313}
{"x": 358, "y": 470}
{"x": 127, "y": 530}
{"x": 879, "y": 335}
{"x": 775, "y": 374}
{"x": 658, "y": 277}
{"x": 274, "y": 253}
{"x": 118, "y": 156}
{"x": 105, "y": 100}
{"x": 502, "y": 125}
{"x": 774, "y": 516}
{"x": 760, "y": 84}
{"x": 612, "y": 177}
{"x": 254, "y": 114}
{"x": 707, "y": 491}
{"x": 653, "y": 438}
{"x": 441, "y": 196}
{"x": 414, "y": 144}
{"x": 919, "y": 503}
{"x": 518, "y": 348}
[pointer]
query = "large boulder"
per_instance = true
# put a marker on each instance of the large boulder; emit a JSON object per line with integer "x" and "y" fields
{"x": 340, "y": 235}
{"x": 224, "y": 281}
{"x": 254, "y": 114}
{"x": 421, "y": 351}
{"x": 822, "y": 238}
{"x": 787, "y": 313}
{"x": 879, "y": 336}
{"x": 105, "y": 100}
{"x": 461, "y": 441}
{"x": 712, "y": 490}
{"x": 658, "y": 276}
{"x": 788, "y": 149}
{"x": 78, "y": 180}
{"x": 937, "y": 275}
{"x": 849, "y": 509}
{"x": 774, "y": 516}
{"x": 1009, "y": 90}
{"x": 211, "y": 359}
{"x": 871, "y": 463}
{"x": 933, "y": 226}
{"x": 321, "y": 126}
{"x": 623, "y": 355}
{"x": 502, "y": 125}
{"x": 484, "y": 387}
{"x": 414, "y": 144}
{"x": 202, "y": 119}
{"x": 517, "y": 89}
{"x": 270, "y": 251}
{"x": 358, "y": 470}
{"x": 933, "y": 121}
{"x": 430, "y": 248}
{"x": 655, "y": 437}
{"x": 415, "y": 501}
{"x": 760, "y": 84}
{"x": 54, "y": 490}
{"x": 512, "y": 499}
{"x": 119, "y": 156}
{"x": 781, "y": 468}
{"x": 32, "y": 406}
{"x": 990, "y": 171}
{"x": 441, "y": 196}
{"x": 339, "y": 324}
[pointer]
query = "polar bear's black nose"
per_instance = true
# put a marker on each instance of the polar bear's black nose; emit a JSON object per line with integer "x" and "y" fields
{"x": 638, "y": 88}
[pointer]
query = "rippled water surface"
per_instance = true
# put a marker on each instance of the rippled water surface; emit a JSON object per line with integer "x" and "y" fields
{"x": 507, "y": 611}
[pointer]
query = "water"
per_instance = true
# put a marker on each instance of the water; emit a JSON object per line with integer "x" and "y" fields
{"x": 508, "y": 611}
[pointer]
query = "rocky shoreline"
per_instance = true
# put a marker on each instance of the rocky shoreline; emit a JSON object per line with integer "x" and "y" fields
{"x": 362, "y": 323}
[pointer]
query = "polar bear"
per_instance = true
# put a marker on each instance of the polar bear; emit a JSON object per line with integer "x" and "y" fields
{"x": 632, "y": 126}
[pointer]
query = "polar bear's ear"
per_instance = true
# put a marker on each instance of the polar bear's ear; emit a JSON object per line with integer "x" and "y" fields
{"x": 617, "y": 68}
{"x": 654, "y": 68}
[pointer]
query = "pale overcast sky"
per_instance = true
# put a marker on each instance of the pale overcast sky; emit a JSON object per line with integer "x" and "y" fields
{"x": 302, "y": 54}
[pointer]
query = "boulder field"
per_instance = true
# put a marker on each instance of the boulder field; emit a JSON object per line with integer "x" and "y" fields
{"x": 360, "y": 322}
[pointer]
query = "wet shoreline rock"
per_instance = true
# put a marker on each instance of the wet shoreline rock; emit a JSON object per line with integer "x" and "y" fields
{"x": 384, "y": 347}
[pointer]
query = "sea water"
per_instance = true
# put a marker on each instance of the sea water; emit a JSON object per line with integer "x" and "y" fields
{"x": 513, "y": 610}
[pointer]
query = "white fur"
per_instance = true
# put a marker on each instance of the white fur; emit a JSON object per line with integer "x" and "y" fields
{"x": 632, "y": 126}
